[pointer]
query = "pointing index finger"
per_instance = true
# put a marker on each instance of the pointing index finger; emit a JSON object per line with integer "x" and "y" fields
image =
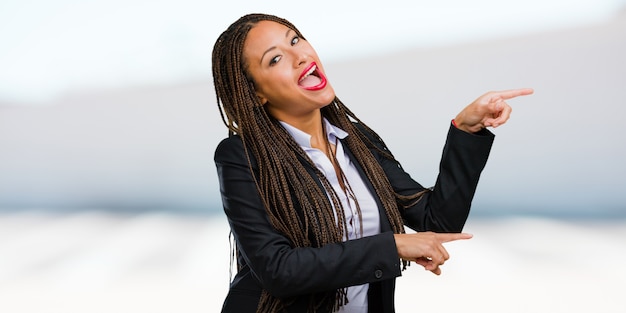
{"x": 447, "y": 237}
{"x": 509, "y": 94}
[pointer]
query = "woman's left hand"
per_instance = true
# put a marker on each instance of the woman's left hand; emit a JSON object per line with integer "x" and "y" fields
{"x": 489, "y": 110}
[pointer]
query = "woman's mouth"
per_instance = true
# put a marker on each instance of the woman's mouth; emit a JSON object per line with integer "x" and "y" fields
{"x": 312, "y": 79}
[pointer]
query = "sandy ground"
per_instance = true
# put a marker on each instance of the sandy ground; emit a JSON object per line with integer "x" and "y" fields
{"x": 99, "y": 262}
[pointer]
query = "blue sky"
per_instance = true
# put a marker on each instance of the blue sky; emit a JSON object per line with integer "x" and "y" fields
{"x": 48, "y": 48}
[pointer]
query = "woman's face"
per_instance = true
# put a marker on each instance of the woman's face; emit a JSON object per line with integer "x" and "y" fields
{"x": 287, "y": 73}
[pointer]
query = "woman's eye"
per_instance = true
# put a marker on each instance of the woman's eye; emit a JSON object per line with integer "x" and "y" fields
{"x": 275, "y": 60}
{"x": 295, "y": 40}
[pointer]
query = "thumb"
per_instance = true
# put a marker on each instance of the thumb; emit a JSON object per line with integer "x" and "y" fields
{"x": 499, "y": 105}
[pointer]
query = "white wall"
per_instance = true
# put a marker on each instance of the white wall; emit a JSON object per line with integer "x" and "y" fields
{"x": 152, "y": 147}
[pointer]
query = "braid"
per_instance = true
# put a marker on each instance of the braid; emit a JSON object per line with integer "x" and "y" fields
{"x": 283, "y": 182}
{"x": 359, "y": 143}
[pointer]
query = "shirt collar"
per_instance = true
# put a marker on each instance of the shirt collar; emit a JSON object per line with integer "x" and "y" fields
{"x": 304, "y": 140}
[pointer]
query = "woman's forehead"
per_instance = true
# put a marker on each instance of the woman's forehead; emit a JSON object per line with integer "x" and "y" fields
{"x": 263, "y": 36}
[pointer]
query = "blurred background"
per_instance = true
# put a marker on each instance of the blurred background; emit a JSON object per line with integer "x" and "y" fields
{"x": 109, "y": 199}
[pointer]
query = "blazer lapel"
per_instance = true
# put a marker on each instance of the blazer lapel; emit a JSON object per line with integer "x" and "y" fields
{"x": 384, "y": 221}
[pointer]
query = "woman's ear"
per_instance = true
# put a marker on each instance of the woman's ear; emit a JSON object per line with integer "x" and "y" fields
{"x": 258, "y": 93}
{"x": 261, "y": 98}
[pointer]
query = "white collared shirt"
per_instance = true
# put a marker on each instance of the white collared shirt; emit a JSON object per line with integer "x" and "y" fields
{"x": 357, "y": 295}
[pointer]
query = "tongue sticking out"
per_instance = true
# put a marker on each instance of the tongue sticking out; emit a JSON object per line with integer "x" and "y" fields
{"x": 310, "y": 81}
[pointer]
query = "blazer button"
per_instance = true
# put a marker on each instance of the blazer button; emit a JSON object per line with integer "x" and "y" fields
{"x": 378, "y": 273}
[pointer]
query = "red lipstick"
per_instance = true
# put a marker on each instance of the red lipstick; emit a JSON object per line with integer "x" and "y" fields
{"x": 312, "y": 78}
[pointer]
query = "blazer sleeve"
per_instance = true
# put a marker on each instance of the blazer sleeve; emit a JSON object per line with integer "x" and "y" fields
{"x": 446, "y": 207}
{"x": 280, "y": 268}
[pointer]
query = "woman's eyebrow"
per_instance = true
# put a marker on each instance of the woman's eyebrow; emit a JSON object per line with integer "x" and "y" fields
{"x": 274, "y": 47}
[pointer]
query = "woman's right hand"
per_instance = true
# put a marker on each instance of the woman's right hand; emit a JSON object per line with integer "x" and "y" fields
{"x": 489, "y": 110}
{"x": 426, "y": 248}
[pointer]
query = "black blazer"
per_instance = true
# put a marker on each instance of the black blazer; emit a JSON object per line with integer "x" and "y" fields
{"x": 270, "y": 262}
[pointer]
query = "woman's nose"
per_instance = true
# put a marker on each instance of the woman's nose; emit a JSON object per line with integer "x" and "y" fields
{"x": 301, "y": 57}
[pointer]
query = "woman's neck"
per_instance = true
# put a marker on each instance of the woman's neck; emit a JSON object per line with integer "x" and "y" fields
{"x": 312, "y": 125}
